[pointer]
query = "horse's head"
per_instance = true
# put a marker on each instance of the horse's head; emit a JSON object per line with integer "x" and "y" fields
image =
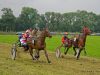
{"x": 34, "y": 31}
{"x": 47, "y": 33}
{"x": 86, "y": 31}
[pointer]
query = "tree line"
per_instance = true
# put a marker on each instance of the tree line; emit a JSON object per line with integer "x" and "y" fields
{"x": 30, "y": 18}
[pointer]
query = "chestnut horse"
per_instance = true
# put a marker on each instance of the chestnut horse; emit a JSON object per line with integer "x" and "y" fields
{"x": 39, "y": 45}
{"x": 80, "y": 41}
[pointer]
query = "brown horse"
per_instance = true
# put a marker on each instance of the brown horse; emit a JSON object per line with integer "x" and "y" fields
{"x": 71, "y": 43}
{"x": 80, "y": 41}
{"x": 39, "y": 44}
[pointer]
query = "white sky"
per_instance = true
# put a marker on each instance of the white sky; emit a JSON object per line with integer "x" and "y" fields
{"x": 43, "y": 6}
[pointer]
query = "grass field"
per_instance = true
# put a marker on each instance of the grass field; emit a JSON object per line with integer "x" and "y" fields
{"x": 23, "y": 65}
{"x": 92, "y": 44}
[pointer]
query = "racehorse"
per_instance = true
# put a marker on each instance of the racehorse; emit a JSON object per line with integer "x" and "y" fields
{"x": 71, "y": 44}
{"x": 80, "y": 41}
{"x": 39, "y": 45}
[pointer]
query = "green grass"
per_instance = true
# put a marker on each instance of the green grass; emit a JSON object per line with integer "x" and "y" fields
{"x": 92, "y": 44}
{"x": 8, "y": 38}
{"x": 24, "y": 65}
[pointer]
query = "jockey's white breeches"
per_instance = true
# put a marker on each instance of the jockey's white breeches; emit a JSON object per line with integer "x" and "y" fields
{"x": 23, "y": 41}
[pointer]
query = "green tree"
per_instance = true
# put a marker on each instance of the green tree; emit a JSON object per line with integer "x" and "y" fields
{"x": 7, "y": 20}
{"x": 27, "y": 18}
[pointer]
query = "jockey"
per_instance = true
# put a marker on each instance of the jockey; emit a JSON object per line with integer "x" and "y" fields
{"x": 29, "y": 32}
{"x": 23, "y": 40}
{"x": 19, "y": 37}
{"x": 65, "y": 40}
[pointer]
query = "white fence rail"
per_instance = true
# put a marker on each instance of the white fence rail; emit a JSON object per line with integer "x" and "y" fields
{"x": 70, "y": 33}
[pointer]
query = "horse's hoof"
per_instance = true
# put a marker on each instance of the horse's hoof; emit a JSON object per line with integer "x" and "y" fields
{"x": 49, "y": 61}
{"x": 77, "y": 59}
{"x": 34, "y": 59}
{"x": 62, "y": 56}
{"x": 75, "y": 54}
{"x": 65, "y": 53}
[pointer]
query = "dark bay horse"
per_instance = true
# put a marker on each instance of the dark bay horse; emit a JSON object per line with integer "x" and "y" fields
{"x": 39, "y": 45}
{"x": 80, "y": 41}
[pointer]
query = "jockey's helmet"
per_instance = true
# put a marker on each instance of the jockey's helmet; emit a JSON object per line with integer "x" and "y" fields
{"x": 66, "y": 33}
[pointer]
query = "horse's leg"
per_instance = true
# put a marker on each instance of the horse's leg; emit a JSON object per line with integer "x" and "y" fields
{"x": 47, "y": 56}
{"x": 66, "y": 50}
{"x": 85, "y": 53}
{"x": 37, "y": 55}
{"x": 31, "y": 53}
{"x": 74, "y": 51}
{"x": 78, "y": 54}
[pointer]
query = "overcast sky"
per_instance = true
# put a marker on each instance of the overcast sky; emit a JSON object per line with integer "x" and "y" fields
{"x": 43, "y": 6}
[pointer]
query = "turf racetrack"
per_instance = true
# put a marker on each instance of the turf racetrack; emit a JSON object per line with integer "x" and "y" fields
{"x": 23, "y": 65}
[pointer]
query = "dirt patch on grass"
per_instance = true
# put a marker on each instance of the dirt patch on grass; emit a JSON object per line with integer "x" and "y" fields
{"x": 68, "y": 65}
